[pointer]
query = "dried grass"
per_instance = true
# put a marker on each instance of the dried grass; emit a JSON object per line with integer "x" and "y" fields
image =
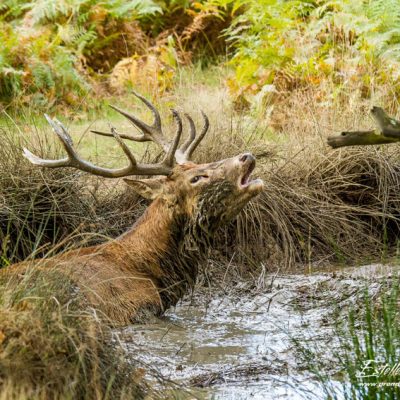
{"x": 51, "y": 349}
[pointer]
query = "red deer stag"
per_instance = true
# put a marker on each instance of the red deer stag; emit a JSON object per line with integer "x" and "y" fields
{"x": 151, "y": 266}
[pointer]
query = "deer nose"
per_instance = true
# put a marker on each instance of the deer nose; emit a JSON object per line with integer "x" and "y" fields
{"x": 246, "y": 157}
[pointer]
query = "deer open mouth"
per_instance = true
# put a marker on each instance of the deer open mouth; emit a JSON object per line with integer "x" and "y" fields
{"x": 248, "y": 184}
{"x": 245, "y": 179}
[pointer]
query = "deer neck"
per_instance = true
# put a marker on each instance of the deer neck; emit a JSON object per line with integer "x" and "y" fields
{"x": 165, "y": 246}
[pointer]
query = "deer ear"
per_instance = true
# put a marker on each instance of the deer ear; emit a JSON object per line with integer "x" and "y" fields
{"x": 147, "y": 188}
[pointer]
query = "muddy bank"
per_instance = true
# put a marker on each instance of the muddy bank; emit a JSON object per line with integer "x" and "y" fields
{"x": 241, "y": 345}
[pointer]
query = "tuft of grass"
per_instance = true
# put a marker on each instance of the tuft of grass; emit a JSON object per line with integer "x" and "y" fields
{"x": 367, "y": 354}
{"x": 50, "y": 348}
{"x": 371, "y": 362}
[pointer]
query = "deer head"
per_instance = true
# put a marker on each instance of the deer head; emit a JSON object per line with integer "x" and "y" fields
{"x": 213, "y": 193}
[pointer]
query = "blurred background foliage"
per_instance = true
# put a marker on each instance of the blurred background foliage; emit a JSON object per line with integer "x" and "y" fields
{"x": 63, "y": 53}
{"x": 57, "y": 52}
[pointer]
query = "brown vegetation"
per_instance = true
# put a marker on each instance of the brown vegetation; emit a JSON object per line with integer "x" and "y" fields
{"x": 51, "y": 348}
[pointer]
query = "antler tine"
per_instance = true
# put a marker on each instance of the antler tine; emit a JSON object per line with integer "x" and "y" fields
{"x": 149, "y": 132}
{"x": 123, "y": 146}
{"x": 150, "y": 106}
{"x": 154, "y": 132}
{"x": 171, "y": 150}
{"x": 73, "y": 159}
{"x": 63, "y": 134}
{"x": 67, "y": 142}
{"x": 194, "y": 143}
{"x": 123, "y": 136}
{"x": 171, "y": 153}
{"x": 192, "y": 133}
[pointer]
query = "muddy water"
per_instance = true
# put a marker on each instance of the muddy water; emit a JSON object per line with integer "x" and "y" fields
{"x": 240, "y": 345}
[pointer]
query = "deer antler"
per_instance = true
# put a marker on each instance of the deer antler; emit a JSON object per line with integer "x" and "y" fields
{"x": 155, "y": 133}
{"x": 134, "y": 168}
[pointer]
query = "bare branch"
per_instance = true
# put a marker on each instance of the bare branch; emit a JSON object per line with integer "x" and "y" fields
{"x": 388, "y": 132}
{"x": 388, "y": 126}
{"x": 359, "y": 138}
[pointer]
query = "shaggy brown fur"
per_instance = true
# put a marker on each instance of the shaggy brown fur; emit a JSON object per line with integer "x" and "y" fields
{"x": 151, "y": 266}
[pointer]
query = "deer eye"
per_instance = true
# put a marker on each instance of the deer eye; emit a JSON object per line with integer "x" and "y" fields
{"x": 197, "y": 178}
